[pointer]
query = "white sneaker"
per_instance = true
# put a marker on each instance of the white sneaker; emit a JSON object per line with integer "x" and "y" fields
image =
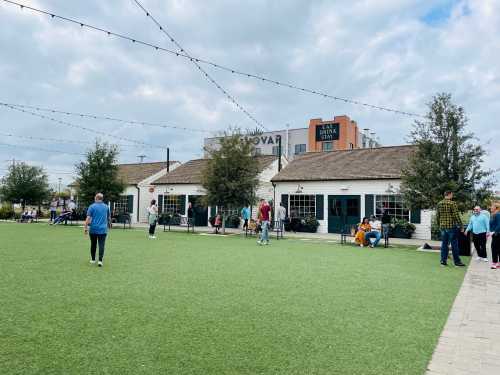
{"x": 99, "y": 264}
{"x": 266, "y": 243}
{"x": 484, "y": 260}
{"x": 478, "y": 258}
{"x": 259, "y": 242}
{"x": 92, "y": 261}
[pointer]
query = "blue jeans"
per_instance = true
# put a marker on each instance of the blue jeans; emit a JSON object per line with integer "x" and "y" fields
{"x": 264, "y": 235}
{"x": 450, "y": 236}
{"x": 373, "y": 234}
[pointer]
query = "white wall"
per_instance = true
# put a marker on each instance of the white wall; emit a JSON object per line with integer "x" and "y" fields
{"x": 147, "y": 196}
{"x": 350, "y": 187}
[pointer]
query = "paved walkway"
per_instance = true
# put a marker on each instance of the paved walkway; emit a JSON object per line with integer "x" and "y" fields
{"x": 470, "y": 341}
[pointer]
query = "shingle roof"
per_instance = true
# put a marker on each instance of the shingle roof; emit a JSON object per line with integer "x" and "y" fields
{"x": 191, "y": 171}
{"x": 134, "y": 173}
{"x": 357, "y": 164}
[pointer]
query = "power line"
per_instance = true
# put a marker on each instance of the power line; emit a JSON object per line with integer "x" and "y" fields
{"x": 41, "y": 149}
{"x": 107, "y": 118}
{"x": 58, "y": 140}
{"x": 221, "y": 67}
{"x": 203, "y": 71}
{"x": 80, "y": 127}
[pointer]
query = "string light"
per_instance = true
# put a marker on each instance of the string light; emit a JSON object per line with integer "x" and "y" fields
{"x": 222, "y": 67}
{"x": 65, "y": 123}
{"x": 58, "y": 140}
{"x": 203, "y": 71}
{"x": 107, "y": 118}
{"x": 41, "y": 149}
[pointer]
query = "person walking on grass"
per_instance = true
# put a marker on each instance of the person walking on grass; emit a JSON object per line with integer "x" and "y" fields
{"x": 495, "y": 235}
{"x": 450, "y": 223}
{"x": 53, "y": 210}
{"x": 265, "y": 210}
{"x": 245, "y": 216}
{"x": 152, "y": 218}
{"x": 479, "y": 224}
{"x": 99, "y": 220}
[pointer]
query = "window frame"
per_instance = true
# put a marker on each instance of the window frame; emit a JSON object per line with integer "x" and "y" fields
{"x": 394, "y": 204}
{"x": 303, "y": 204}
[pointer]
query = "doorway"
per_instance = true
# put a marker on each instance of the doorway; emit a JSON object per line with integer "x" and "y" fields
{"x": 199, "y": 210}
{"x": 343, "y": 210}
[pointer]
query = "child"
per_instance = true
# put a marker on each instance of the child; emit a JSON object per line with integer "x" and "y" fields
{"x": 218, "y": 223}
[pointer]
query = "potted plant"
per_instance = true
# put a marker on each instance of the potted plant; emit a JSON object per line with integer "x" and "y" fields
{"x": 401, "y": 228}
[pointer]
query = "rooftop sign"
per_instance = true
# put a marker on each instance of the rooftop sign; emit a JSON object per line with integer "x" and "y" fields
{"x": 327, "y": 132}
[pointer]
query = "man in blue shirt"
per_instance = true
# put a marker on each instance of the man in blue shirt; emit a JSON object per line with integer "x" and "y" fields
{"x": 99, "y": 220}
{"x": 479, "y": 224}
{"x": 245, "y": 215}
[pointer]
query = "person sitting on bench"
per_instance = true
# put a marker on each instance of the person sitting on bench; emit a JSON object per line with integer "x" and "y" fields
{"x": 26, "y": 216}
{"x": 375, "y": 232}
{"x": 363, "y": 228}
{"x": 62, "y": 217}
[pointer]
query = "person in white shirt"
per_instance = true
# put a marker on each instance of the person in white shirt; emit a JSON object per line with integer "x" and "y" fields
{"x": 376, "y": 225}
{"x": 152, "y": 218}
{"x": 281, "y": 215}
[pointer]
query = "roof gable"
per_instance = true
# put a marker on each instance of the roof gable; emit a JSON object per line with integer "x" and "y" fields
{"x": 191, "y": 171}
{"x": 366, "y": 163}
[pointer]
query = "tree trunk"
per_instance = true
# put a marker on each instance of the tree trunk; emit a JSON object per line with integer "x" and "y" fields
{"x": 223, "y": 224}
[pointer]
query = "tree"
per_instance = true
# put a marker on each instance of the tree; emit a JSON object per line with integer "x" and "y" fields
{"x": 445, "y": 159}
{"x": 25, "y": 184}
{"x": 231, "y": 174}
{"x": 99, "y": 174}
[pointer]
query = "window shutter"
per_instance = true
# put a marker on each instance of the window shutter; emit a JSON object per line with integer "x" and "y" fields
{"x": 182, "y": 204}
{"x": 130, "y": 204}
{"x": 160, "y": 204}
{"x": 284, "y": 200}
{"x": 213, "y": 211}
{"x": 415, "y": 216}
{"x": 320, "y": 199}
{"x": 368, "y": 205}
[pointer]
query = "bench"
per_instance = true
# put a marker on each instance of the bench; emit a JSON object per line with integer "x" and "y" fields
{"x": 176, "y": 220}
{"x": 349, "y": 230}
{"x": 122, "y": 218}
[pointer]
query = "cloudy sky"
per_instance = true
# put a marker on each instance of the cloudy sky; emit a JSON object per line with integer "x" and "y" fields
{"x": 394, "y": 53}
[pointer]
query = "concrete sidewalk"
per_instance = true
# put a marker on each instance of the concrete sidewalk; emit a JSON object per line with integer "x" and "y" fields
{"x": 470, "y": 341}
{"x": 299, "y": 235}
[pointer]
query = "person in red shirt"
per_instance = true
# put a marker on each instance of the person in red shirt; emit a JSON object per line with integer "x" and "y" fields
{"x": 264, "y": 212}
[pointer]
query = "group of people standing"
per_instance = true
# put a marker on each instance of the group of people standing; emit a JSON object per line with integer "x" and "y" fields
{"x": 482, "y": 224}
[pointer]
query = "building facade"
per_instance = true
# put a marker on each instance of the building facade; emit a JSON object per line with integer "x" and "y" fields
{"x": 339, "y": 188}
{"x": 175, "y": 190}
{"x": 340, "y": 133}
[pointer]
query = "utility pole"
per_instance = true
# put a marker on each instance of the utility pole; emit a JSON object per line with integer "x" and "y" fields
{"x": 141, "y": 158}
{"x": 279, "y": 153}
{"x": 168, "y": 159}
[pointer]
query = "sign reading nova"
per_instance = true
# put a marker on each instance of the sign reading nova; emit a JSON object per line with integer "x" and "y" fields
{"x": 327, "y": 132}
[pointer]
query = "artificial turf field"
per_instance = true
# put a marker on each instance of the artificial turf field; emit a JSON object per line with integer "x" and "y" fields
{"x": 193, "y": 304}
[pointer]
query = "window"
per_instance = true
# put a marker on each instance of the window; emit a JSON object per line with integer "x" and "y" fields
{"x": 258, "y": 151}
{"x": 303, "y": 205}
{"x": 327, "y": 146}
{"x": 121, "y": 205}
{"x": 300, "y": 149}
{"x": 172, "y": 204}
{"x": 229, "y": 212}
{"x": 351, "y": 146}
{"x": 276, "y": 149}
{"x": 393, "y": 204}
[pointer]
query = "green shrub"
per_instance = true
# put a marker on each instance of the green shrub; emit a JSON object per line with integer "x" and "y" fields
{"x": 401, "y": 228}
{"x": 6, "y": 212}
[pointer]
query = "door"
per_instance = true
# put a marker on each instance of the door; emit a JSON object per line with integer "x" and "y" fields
{"x": 199, "y": 210}
{"x": 343, "y": 210}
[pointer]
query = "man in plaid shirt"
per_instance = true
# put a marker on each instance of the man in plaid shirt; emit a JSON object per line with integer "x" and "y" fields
{"x": 450, "y": 223}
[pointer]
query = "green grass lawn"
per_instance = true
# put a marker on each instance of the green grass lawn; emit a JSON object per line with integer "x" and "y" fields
{"x": 192, "y": 304}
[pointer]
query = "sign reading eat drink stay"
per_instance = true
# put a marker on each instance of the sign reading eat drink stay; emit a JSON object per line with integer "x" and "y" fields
{"x": 327, "y": 132}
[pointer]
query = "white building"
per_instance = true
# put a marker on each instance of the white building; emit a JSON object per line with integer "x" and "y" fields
{"x": 138, "y": 191}
{"x": 183, "y": 185}
{"x": 341, "y": 187}
{"x": 340, "y": 133}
